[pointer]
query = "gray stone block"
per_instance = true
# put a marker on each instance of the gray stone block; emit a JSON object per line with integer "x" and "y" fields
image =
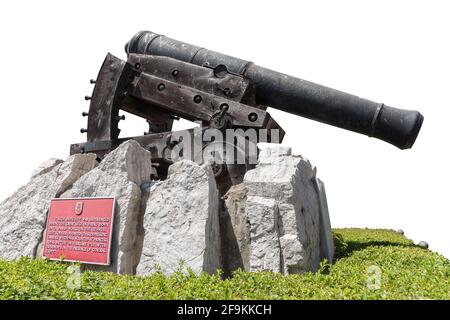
{"x": 120, "y": 174}
{"x": 181, "y": 222}
{"x": 273, "y": 216}
{"x": 326, "y": 235}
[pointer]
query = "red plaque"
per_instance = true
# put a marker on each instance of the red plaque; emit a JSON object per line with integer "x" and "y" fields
{"x": 80, "y": 230}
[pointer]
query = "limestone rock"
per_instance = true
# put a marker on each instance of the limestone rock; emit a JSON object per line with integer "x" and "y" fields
{"x": 234, "y": 230}
{"x": 271, "y": 221}
{"x": 282, "y": 207}
{"x": 326, "y": 235}
{"x": 181, "y": 222}
{"x": 265, "y": 250}
{"x": 120, "y": 174}
{"x": 269, "y": 151}
{"x": 46, "y": 166}
{"x": 23, "y": 214}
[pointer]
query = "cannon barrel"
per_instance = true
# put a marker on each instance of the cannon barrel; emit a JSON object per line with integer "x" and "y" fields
{"x": 300, "y": 97}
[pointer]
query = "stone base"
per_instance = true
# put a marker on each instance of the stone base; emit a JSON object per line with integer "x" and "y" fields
{"x": 275, "y": 220}
{"x": 120, "y": 174}
{"x": 181, "y": 222}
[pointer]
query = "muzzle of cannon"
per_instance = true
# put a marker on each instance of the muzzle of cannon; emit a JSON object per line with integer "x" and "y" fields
{"x": 296, "y": 96}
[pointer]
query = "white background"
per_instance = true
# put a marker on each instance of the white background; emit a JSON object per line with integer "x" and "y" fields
{"x": 396, "y": 52}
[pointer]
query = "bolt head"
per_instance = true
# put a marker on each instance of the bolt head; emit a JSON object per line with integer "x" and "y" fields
{"x": 198, "y": 99}
{"x": 252, "y": 117}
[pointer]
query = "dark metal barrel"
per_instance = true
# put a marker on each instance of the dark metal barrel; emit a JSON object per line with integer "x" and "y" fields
{"x": 396, "y": 126}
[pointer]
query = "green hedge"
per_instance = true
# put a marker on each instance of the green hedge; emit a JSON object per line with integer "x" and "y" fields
{"x": 407, "y": 272}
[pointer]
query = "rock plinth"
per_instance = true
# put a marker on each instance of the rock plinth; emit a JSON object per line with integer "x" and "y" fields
{"x": 275, "y": 220}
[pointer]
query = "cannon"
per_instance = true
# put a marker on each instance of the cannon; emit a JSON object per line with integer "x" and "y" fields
{"x": 165, "y": 79}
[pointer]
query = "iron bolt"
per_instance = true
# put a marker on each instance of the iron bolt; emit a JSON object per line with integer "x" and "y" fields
{"x": 252, "y": 117}
{"x": 84, "y": 114}
{"x": 92, "y": 81}
{"x": 87, "y": 98}
{"x": 197, "y": 99}
{"x": 82, "y": 130}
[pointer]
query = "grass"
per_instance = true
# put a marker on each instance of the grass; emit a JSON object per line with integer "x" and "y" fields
{"x": 406, "y": 272}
